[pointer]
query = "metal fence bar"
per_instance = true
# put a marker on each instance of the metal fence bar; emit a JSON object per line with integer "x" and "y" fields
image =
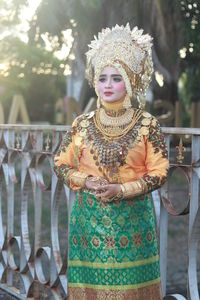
{"x": 163, "y": 234}
{"x": 194, "y": 225}
{"x": 33, "y": 147}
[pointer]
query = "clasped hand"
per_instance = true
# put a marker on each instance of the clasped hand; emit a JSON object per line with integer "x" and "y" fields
{"x": 102, "y": 189}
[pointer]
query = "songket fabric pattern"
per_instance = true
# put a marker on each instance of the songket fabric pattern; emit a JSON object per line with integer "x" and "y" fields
{"x": 113, "y": 250}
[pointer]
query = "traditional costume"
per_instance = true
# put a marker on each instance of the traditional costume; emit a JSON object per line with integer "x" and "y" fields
{"x": 113, "y": 246}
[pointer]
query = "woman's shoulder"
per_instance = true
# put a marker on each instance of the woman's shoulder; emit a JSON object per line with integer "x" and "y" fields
{"x": 147, "y": 115}
{"x": 82, "y": 120}
{"x": 149, "y": 119}
{"x": 147, "y": 123}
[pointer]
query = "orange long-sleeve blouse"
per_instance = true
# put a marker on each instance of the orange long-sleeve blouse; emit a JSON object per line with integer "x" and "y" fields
{"x": 146, "y": 158}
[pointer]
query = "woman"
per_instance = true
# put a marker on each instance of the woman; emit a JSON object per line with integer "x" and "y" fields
{"x": 114, "y": 157}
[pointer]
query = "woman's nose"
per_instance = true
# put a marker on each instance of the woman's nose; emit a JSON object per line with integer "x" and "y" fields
{"x": 109, "y": 82}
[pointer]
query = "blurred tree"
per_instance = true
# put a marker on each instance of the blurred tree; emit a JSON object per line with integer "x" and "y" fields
{"x": 33, "y": 69}
{"x": 34, "y": 73}
{"x": 161, "y": 18}
{"x": 10, "y": 14}
{"x": 191, "y": 52}
{"x": 62, "y": 29}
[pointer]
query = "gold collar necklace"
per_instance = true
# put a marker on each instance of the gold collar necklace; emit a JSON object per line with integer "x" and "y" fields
{"x": 115, "y": 121}
{"x": 116, "y": 131}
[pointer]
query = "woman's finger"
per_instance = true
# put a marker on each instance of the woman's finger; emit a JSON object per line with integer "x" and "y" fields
{"x": 104, "y": 194}
{"x": 103, "y": 187}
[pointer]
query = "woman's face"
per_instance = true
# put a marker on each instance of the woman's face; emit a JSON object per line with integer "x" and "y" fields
{"x": 111, "y": 86}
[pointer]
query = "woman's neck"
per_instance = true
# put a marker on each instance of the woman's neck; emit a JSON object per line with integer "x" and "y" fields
{"x": 113, "y": 106}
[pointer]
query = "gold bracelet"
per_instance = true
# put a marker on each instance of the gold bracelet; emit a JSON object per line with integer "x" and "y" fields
{"x": 68, "y": 176}
{"x": 144, "y": 186}
{"x": 122, "y": 189}
{"x": 78, "y": 178}
{"x": 133, "y": 188}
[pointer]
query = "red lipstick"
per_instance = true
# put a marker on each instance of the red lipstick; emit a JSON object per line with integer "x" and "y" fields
{"x": 108, "y": 93}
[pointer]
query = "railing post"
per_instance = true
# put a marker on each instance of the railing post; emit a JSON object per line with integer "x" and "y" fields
{"x": 10, "y": 139}
{"x": 193, "y": 237}
{"x": 164, "y": 233}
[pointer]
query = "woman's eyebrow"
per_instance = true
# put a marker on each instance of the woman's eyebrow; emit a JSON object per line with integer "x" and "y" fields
{"x": 112, "y": 75}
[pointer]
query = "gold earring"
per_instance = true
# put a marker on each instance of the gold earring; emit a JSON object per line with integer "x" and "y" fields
{"x": 98, "y": 102}
{"x": 141, "y": 102}
{"x": 127, "y": 101}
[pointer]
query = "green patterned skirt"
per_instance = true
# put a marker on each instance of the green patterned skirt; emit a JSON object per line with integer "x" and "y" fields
{"x": 113, "y": 250}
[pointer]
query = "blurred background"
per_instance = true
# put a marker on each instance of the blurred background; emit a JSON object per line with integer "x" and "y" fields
{"x": 42, "y": 56}
{"x": 42, "y": 81}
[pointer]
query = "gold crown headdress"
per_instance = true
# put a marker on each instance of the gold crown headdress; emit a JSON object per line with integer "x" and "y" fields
{"x": 129, "y": 51}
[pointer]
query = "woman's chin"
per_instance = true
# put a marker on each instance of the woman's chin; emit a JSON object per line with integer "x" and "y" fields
{"x": 108, "y": 100}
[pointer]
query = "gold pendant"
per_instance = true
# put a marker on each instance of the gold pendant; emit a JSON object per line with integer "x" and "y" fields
{"x": 146, "y": 114}
{"x": 78, "y": 141}
{"x": 90, "y": 115}
{"x": 146, "y": 122}
{"x": 83, "y": 133}
{"x": 84, "y": 123}
{"x": 144, "y": 130}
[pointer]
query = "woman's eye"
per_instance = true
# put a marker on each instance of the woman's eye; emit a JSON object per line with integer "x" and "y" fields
{"x": 102, "y": 79}
{"x": 117, "y": 79}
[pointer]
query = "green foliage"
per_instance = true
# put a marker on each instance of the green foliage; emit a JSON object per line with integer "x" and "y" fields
{"x": 192, "y": 87}
{"x": 10, "y": 12}
{"x": 34, "y": 73}
{"x": 191, "y": 11}
{"x": 30, "y": 69}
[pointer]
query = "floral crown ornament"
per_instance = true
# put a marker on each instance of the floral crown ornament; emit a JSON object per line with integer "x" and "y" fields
{"x": 129, "y": 51}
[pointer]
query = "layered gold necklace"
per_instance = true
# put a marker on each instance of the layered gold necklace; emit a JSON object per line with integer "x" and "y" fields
{"x": 109, "y": 142}
{"x": 117, "y": 120}
{"x": 117, "y": 126}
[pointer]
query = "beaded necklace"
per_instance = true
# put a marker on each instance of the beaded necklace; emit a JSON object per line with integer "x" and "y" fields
{"x": 118, "y": 120}
{"x": 116, "y": 131}
{"x": 110, "y": 151}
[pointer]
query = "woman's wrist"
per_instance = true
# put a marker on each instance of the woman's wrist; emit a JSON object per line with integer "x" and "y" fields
{"x": 133, "y": 188}
{"x": 78, "y": 178}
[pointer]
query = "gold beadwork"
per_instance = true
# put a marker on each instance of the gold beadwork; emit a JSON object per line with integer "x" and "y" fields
{"x": 116, "y": 131}
{"x": 117, "y": 120}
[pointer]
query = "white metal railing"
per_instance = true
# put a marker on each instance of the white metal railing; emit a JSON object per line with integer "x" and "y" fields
{"x": 33, "y": 262}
